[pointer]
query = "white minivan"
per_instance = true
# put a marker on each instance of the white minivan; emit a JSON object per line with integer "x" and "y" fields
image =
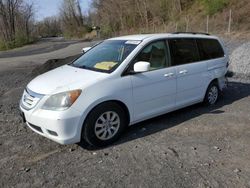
{"x": 122, "y": 81}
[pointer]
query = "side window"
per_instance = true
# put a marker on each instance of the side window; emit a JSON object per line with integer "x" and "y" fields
{"x": 210, "y": 49}
{"x": 183, "y": 51}
{"x": 156, "y": 54}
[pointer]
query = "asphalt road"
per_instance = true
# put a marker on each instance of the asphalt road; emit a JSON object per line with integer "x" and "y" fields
{"x": 194, "y": 147}
{"x": 44, "y": 45}
{"x": 39, "y": 53}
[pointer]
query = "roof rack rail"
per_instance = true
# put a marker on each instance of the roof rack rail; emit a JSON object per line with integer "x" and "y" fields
{"x": 194, "y": 33}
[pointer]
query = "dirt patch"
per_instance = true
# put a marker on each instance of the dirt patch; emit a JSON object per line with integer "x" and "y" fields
{"x": 52, "y": 64}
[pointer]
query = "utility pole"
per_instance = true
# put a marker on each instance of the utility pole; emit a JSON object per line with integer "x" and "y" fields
{"x": 187, "y": 23}
{"x": 207, "y": 28}
{"x": 229, "y": 21}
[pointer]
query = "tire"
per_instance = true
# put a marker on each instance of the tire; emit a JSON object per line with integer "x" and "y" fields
{"x": 212, "y": 94}
{"x": 104, "y": 124}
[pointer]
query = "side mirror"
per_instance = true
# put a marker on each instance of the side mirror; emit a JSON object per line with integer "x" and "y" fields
{"x": 141, "y": 66}
{"x": 84, "y": 50}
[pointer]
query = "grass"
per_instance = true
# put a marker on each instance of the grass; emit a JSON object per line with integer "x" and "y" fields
{"x": 214, "y": 6}
{"x": 18, "y": 42}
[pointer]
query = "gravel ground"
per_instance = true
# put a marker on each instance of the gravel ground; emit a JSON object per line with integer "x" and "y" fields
{"x": 238, "y": 48}
{"x": 194, "y": 147}
{"x": 240, "y": 60}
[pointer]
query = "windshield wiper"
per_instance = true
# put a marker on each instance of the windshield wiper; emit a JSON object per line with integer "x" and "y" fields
{"x": 84, "y": 67}
{"x": 89, "y": 68}
{"x": 81, "y": 66}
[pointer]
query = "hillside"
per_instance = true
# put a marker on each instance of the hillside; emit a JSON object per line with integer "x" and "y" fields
{"x": 218, "y": 18}
{"x": 144, "y": 16}
{"x": 115, "y": 18}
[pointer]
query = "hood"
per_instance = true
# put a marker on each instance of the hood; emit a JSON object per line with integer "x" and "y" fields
{"x": 63, "y": 79}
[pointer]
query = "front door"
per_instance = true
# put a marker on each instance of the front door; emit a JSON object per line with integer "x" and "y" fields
{"x": 154, "y": 91}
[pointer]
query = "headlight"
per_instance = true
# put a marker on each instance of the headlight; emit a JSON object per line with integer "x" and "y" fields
{"x": 61, "y": 101}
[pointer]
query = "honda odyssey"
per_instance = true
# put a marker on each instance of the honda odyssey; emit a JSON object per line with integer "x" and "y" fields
{"x": 122, "y": 81}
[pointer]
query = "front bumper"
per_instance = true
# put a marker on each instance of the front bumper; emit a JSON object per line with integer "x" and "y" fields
{"x": 63, "y": 127}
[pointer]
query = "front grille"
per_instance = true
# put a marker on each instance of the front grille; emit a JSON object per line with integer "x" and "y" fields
{"x": 36, "y": 128}
{"x": 30, "y": 99}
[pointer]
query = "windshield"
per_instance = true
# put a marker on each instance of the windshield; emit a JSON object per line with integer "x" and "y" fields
{"x": 106, "y": 56}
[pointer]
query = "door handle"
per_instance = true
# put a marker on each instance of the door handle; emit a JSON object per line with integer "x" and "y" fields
{"x": 183, "y": 72}
{"x": 169, "y": 74}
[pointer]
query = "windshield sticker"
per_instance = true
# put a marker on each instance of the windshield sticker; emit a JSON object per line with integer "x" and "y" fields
{"x": 136, "y": 42}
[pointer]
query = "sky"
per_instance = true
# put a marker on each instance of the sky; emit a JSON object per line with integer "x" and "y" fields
{"x": 47, "y": 8}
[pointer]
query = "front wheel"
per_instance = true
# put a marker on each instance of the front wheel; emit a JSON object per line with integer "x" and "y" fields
{"x": 104, "y": 124}
{"x": 212, "y": 94}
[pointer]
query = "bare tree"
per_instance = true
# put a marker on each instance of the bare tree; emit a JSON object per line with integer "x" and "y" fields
{"x": 27, "y": 15}
{"x": 9, "y": 9}
{"x": 49, "y": 27}
{"x": 72, "y": 18}
{"x": 79, "y": 9}
{"x": 15, "y": 21}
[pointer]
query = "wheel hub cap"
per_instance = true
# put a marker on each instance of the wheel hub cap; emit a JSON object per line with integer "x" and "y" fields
{"x": 213, "y": 95}
{"x": 107, "y": 125}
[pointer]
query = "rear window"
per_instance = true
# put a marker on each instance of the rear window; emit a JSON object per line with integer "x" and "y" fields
{"x": 210, "y": 49}
{"x": 183, "y": 51}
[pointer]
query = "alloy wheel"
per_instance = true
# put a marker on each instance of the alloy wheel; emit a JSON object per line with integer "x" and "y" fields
{"x": 107, "y": 125}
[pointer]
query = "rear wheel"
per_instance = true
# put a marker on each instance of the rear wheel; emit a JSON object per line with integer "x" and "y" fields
{"x": 104, "y": 124}
{"x": 212, "y": 94}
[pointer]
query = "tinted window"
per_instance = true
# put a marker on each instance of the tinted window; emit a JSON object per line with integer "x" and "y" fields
{"x": 183, "y": 51}
{"x": 155, "y": 53}
{"x": 210, "y": 49}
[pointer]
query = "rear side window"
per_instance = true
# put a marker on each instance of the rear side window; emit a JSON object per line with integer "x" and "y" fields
{"x": 210, "y": 49}
{"x": 183, "y": 51}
